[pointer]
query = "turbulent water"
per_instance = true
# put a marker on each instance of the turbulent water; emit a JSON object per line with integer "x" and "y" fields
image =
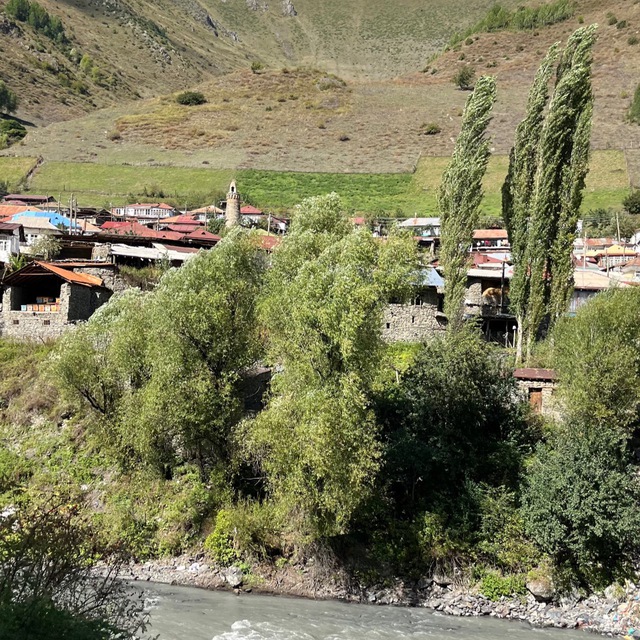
{"x": 180, "y": 613}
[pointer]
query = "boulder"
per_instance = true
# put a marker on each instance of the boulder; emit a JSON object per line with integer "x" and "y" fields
{"x": 233, "y": 576}
{"x": 541, "y": 587}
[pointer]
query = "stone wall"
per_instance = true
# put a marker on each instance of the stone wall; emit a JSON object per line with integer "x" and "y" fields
{"x": 32, "y": 325}
{"x": 77, "y": 303}
{"x": 411, "y": 323}
{"x": 109, "y": 274}
{"x": 549, "y": 405}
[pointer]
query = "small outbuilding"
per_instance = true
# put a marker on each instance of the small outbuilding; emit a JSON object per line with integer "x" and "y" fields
{"x": 538, "y": 387}
{"x": 43, "y": 299}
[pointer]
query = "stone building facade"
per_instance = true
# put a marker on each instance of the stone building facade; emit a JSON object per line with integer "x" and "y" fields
{"x": 77, "y": 296}
{"x": 415, "y": 322}
{"x": 538, "y": 387}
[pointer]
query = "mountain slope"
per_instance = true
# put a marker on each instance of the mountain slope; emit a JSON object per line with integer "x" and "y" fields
{"x": 145, "y": 48}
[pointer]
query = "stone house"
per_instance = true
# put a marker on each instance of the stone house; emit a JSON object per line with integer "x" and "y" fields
{"x": 422, "y": 317}
{"x": 538, "y": 386}
{"x": 44, "y": 299}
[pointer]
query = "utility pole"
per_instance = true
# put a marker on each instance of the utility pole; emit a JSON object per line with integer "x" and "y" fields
{"x": 618, "y": 225}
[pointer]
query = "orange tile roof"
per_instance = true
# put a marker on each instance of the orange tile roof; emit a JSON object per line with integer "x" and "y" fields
{"x": 7, "y": 210}
{"x": 71, "y": 276}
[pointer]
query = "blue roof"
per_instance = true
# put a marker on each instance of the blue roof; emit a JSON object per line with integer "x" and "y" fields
{"x": 429, "y": 277}
{"x": 53, "y": 217}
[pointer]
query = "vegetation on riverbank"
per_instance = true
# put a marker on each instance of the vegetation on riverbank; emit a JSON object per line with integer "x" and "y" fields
{"x": 394, "y": 461}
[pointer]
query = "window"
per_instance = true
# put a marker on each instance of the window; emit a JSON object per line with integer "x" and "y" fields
{"x": 46, "y": 323}
{"x": 16, "y": 322}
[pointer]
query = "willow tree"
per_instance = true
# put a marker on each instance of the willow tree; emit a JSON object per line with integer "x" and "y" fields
{"x": 461, "y": 193}
{"x": 543, "y": 191}
{"x": 317, "y": 441}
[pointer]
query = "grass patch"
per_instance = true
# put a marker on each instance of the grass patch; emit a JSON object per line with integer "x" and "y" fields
{"x": 522, "y": 19}
{"x": 13, "y": 171}
{"x": 100, "y": 184}
{"x": 388, "y": 194}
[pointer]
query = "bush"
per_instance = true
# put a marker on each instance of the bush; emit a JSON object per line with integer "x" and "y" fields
{"x": 8, "y": 99}
{"x": 494, "y": 585}
{"x": 631, "y": 203}
{"x": 581, "y": 504}
{"x": 622, "y": 24}
{"x": 611, "y": 19}
{"x": 633, "y": 40}
{"x": 256, "y": 66}
{"x": 219, "y": 542}
{"x": 11, "y": 131}
{"x": 191, "y": 98}
{"x": 430, "y": 128}
{"x": 464, "y": 77}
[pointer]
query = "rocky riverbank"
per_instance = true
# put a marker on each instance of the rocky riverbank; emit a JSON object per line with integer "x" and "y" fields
{"x": 615, "y": 613}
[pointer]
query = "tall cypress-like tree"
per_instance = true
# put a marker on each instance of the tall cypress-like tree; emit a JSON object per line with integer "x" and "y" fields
{"x": 519, "y": 186}
{"x": 461, "y": 193}
{"x": 543, "y": 190}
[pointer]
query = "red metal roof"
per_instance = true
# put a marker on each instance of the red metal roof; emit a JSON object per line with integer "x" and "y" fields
{"x": 250, "y": 210}
{"x": 115, "y": 224}
{"x": 548, "y": 375}
{"x": 148, "y": 205}
{"x": 202, "y": 234}
{"x": 182, "y": 228}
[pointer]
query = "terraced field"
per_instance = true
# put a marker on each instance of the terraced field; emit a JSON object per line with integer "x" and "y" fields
{"x": 386, "y": 194}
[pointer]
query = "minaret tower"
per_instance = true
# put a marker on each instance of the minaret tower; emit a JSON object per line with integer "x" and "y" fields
{"x": 232, "y": 212}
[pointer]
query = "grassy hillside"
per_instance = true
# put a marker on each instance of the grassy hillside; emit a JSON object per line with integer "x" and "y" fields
{"x": 384, "y": 194}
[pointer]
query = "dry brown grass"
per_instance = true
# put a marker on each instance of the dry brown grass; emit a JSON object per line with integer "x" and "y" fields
{"x": 246, "y": 125}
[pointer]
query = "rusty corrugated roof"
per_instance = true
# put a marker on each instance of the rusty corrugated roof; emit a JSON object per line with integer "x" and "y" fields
{"x": 548, "y": 375}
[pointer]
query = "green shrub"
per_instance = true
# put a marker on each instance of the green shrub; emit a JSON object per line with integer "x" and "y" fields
{"x": 633, "y": 40}
{"x": 580, "y": 504}
{"x": 622, "y": 24}
{"x": 611, "y": 19}
{"x": 632, "y": 202}
{"x": 11, "y": 131}
{"x": 430, "y": 128}
{"x": 191, "y": 98}
{"x": 494, "y": 585}
{"x": 219, "y": 542}
{"x": 464, "y": 77}
{"x": 256, "y": 66}
{"x": 8, "y": 99}
{"x": 634, "y": 116}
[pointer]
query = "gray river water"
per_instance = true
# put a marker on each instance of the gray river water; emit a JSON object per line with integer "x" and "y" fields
{"x": 181, "y": 613}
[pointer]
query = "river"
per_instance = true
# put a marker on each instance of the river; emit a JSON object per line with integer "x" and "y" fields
{"x": 182, "y": 613}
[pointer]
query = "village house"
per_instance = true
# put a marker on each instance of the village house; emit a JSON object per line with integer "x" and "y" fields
{"x": 614, "y": 256}
{"x": 486, "y": 239}
{"x": 422, "y": 227}
{"x": 22, "y": 199}
{"x": 538, "y": 387}
{"x": 144, "y": 211}
{"x": 38, "y": 224}
{"x": 588, "y": 283}
{"x": 43, "y": 299}
{"x": 420, "y": 319}
{"x": 11, "y": 235}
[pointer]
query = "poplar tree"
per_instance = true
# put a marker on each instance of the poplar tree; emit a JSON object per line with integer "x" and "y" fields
{"x": 460, "y": 196}
{"x": 543, "y": 191}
